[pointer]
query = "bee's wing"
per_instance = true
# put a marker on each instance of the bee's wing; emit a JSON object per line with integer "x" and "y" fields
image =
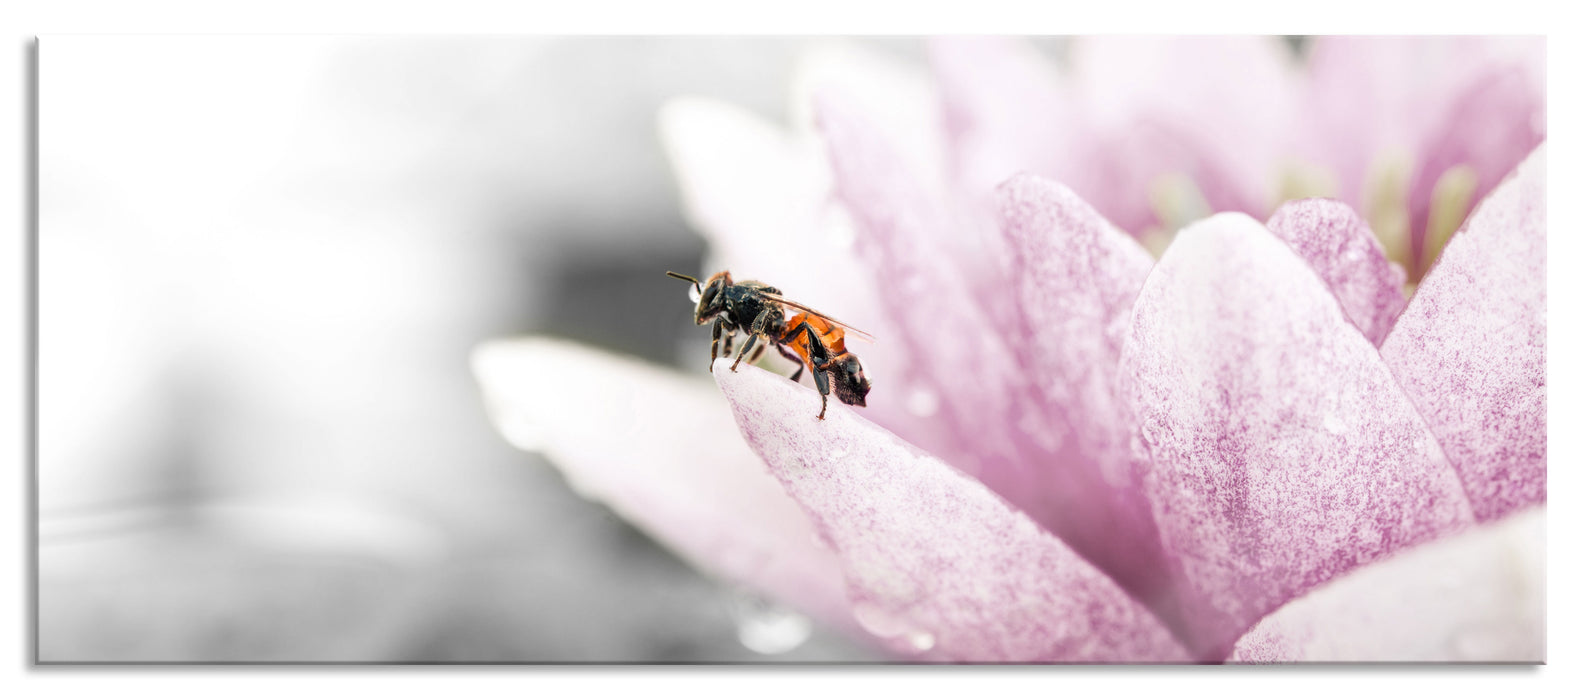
{"x": 796, "y": 305}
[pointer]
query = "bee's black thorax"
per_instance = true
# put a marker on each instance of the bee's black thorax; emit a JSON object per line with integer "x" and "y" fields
{"x": 744, "y": 303}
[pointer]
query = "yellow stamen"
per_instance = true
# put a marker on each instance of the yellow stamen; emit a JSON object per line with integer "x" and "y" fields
{"x": 1384, "y": 204}
{"x": 1155, "y": 240}
{"x": 1176, "y": 201}
{"x": 1301, "y": 180}
{"x": 1448, "y": 207}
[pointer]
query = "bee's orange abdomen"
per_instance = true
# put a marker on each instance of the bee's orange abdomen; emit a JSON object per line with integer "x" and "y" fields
{"x": 833, "y": 336}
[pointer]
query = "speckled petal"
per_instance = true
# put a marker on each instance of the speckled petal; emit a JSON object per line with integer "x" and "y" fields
{"x": 1341, "y": 248}
{"x": 1469, "y": 349}
{"x": 1278, "y": 450}
{"x": 935, "y": 561}
{"x": 660, "y": 449}
{"x": 1072, "y": 281}
{"x": 1477, "y": 596}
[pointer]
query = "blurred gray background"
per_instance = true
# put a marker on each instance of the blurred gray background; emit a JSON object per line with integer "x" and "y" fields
{"x": 263, "y": 262}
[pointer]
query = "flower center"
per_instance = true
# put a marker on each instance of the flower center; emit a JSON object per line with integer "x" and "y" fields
{"x": 1385, "y": 205}
{"x": 1176, "y": 202}
{"x": 1447, "y": 209}
{"x": 1384, "y": 195}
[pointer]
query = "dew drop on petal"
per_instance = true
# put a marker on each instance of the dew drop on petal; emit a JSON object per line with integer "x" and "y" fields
{"x": 922, "y": 402}
{"x": 877, "y": 620}
{"x": 1334, "y": 424}
{"x": 767, "y": 627}
{"x": 807, "y": 461}
{"x": 887, "y": 625}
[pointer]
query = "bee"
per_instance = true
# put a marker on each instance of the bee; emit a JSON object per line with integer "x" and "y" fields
{"x": 812, "y": 339}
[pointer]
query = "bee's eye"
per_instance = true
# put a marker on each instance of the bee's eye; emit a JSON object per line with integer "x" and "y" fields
{"x": 709, "y": 295}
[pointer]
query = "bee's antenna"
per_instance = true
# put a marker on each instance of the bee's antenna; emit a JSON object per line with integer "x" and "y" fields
{"x": 693, "y": 280}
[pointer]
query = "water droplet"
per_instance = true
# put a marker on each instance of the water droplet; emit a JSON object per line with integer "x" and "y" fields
{"x": 887, "y": 625}
{"x": 1334, "y": 424}
{"x": 767, "y": 627}
{"x": 922, "y": 402}
{"x": 692, "y": 293}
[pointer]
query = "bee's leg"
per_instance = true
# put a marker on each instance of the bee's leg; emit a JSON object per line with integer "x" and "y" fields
{"x": 752, "y": 339}
{"x": 821, "y": 379}
{"x": 714, "y": 347}
{"x": 819, "y": 359}
{"x": 730, "y": 341}
{"x": 801, "y": 328}
{"x": 760, "y": 325}
{"x": 787, "y": 354}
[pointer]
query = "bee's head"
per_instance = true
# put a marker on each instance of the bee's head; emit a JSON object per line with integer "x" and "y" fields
{"x": 710, "y": 297}
{"x": 851, "y": 385}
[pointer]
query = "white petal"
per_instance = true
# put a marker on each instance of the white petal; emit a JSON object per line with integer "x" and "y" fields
{"x": 1475, "y": 596}
{"x": 660, "y": 448}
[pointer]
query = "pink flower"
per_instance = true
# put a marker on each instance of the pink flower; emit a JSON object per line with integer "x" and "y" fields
{"x": 1246, "y": 451}
{"x": 1158, "y": 131}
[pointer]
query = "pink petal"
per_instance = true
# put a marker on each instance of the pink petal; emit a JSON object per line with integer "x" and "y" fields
{"x": 1005, "y": 112}
{"x": 1469, "y": 349}
{"x": 953, "y": 375}
{"x": 1491, "y": 126}
{"x": 1477, "y": 596}
{"x": 1216, "y": 109}
{"x": 933, "y": 559}
{"x": 1368, "y": 95}
{"x": 990, "y": 422}
{"x": 1072, "y": 280}
{"x": 1279, "y": 452}
{"x": 1440, "y": 101}
{"x": 659, "y": 449}
{"x": 898, "y": 96}
{"x": 1344, "y": 252}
